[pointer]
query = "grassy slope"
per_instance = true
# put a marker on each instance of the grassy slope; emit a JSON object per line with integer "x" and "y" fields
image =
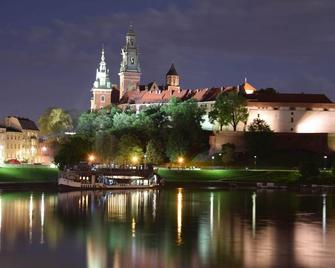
{"x": 28, "y": 174}
{"x": 229, "y": 174}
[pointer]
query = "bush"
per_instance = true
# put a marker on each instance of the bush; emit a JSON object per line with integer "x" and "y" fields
{"x": 309, "y": 169}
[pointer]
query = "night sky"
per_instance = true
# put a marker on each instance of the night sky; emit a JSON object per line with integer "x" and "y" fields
{"x": 49, "y": 50}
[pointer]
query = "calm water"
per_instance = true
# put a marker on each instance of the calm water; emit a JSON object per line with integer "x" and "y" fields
{"x": 167, "y": 228}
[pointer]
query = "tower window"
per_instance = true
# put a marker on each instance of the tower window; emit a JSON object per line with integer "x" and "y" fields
{"x": 292, "y": 119}
{"x": 102, "y": 98}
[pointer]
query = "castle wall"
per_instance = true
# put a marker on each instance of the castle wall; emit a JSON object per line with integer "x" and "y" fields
{"x": 314, "y": 142}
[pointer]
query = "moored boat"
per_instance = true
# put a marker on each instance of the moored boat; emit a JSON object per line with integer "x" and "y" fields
{"x": 108, "y": 179}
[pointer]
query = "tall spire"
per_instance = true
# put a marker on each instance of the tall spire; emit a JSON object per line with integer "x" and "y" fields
{"x": 102, "y": 78}
{"x": 131, "y": 29}
{"x": 103, "y": 52}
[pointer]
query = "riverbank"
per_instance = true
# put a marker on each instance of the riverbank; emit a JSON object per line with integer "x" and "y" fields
{"x": 238, "y": 175}
{"x": 263, "y": 178}
{"x": 17, "y": 174}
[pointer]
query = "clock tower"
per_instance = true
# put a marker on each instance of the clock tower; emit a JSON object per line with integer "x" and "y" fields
{"x": 130, "y": 71}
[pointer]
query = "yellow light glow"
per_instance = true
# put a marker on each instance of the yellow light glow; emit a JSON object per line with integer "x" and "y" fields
{"x": 180, "y": 160}
{"x": 179, "y": 216}
{"x": 91, "y": 158}
{"x": 134, "y": 159}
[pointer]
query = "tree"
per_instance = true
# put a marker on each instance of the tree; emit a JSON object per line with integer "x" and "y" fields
{"x": 229, "y": 109}
{"x": 87, "y": 124}
{"x": 154, "y": 152}
{"x": 54, "y": 122}
{"x": 228, "y": 152}
{"x": 106, "y": 146}
{"x": 259, "y": 125}
{"x": 73, "y": 150}
{"x": 128, "y": 148}
{"x": 259, "y": 137}
{"x": 184, "y": 135}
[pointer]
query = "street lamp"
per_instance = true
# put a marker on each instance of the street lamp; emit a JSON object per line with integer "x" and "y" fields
{"x": 134, "y": 159}
{"x": 180, "y": 160}
{"x": 91, "y": 158}
{"x": 325, "y": 161}
{"x": 255, "y": 160}
{"x": 213, "y": 158}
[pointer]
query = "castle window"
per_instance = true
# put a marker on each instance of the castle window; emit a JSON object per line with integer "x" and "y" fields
{"x": 291, "y": 128}
{"x": 258, "y": 115}
{"x": 102, "y": 98}
{"x": 292, "y": 113}
{"x": 292, "y": 119}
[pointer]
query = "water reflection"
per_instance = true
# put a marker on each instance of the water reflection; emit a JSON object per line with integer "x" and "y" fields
{"x": 169, "y": 228}
{"x": 179, "y": 216}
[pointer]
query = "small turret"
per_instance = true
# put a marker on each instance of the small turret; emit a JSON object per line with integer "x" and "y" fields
{"x": 172, "y": 79}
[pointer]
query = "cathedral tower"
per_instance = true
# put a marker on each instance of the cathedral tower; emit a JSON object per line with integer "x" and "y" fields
{"x": 130, "y": 71}
{"x": 172, "y": 79}
{"x": 102, "y": 87}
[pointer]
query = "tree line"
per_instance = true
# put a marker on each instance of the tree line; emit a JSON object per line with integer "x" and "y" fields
{"x": 155, "y": 134}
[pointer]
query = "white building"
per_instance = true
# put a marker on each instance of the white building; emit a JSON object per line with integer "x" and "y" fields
{"x": 18, "y": 140}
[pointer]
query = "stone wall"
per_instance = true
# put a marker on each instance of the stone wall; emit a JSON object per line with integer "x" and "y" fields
{"x": 314, "y": 142}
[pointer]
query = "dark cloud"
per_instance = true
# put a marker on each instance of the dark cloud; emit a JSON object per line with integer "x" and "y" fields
{"x": 51, "y": 60}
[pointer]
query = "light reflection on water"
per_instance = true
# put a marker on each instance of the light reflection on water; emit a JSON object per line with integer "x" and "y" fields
{"x": 167, "y": 228}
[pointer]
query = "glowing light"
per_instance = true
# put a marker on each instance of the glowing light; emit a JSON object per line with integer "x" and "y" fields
{"x": 133, "y": 228}
{"x": 253, "y": 214}
{"x": 42, "y": 219}
{"x": 44, "y": 149}
{"x": 311, "y": 123}
{"x": 211, "y": 213}
{"x": 52, "y": 165}
{"x": 180, "y": 160}
{"x": 31, "y": 209}
{"x": 179, "y": 216}
{"x": 91, "y": 158}
{"x": 324, "y": 215}
{"x": 134, "y": 159}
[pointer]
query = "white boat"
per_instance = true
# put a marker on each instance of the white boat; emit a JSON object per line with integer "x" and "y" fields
{"x": 113, "y": 179}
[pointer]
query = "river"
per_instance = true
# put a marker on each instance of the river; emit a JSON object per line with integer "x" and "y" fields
{"x": 167, "y": 228}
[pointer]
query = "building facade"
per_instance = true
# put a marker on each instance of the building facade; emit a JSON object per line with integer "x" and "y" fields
{"x": 19, "y": 140}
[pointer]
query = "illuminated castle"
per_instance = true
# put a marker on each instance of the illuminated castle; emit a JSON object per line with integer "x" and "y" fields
{"x": 289, "y": 113}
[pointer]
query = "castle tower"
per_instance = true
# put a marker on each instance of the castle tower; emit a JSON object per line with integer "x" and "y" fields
{"x": 102, "y": 87}
{"x": 172, "y": 79}
{"x": 130, "y": 71}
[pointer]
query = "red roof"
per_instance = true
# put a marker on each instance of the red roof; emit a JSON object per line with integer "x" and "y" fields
{"x": 289, "y": 98}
